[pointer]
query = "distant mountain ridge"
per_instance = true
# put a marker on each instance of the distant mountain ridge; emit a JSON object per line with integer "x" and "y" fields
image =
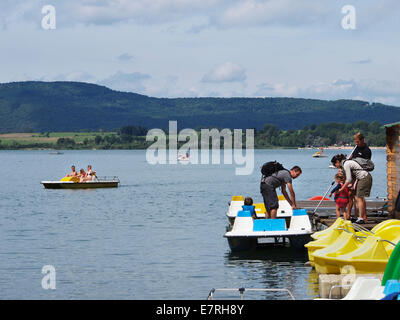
{"x": 35, "y": 106}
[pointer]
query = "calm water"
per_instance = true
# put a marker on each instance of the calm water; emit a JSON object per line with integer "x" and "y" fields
{"x": 158, "y": 236}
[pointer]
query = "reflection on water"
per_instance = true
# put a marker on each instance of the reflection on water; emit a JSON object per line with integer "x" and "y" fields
{"x": 275, "y": 267}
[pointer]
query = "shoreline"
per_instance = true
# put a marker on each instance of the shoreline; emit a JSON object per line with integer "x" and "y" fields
{"x": 271, "y": 148}
{"x": 340, "y": 148}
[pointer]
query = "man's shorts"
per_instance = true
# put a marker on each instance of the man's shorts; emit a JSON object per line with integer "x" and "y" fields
{"x": 270, "y": 197}
{"x": 363, "y": 188}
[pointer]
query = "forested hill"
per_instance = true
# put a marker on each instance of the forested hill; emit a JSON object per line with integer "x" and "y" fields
{"x": 35, "y": 106}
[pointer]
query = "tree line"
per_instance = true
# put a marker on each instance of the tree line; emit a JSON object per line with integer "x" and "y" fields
{"x": 270, "y": 136}
{"x": 321, "y": 135}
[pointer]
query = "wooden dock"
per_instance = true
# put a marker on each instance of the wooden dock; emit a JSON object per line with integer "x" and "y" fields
{"x": 325, "y": 215}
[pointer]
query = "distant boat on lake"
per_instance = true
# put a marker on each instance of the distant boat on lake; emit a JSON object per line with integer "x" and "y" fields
{"x": 184, "y": 157}
{"x": 56, "y": 152}
{"x": 319, "y": 154}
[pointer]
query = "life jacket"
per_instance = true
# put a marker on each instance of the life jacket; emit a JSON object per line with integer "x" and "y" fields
{"x": 342, "y": 198}
{"x": 252, "y": 209}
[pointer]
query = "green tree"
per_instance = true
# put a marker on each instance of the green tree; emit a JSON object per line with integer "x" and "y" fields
{"x": 98, "y": 139}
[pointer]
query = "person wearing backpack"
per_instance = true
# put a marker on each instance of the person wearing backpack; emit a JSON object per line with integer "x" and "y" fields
{"x": 359, "y": 176}
{"x": 360, "y": 152}
{"x": 274, "y": 175}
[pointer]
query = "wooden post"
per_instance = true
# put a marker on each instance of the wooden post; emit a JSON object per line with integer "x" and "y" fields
{"x": 393, "y": 161}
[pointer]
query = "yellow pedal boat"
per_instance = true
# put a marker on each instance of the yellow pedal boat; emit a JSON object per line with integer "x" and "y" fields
{"x": 324, "y": 259}
{"x": 73, "y": 183}
{"x": 328, "y": 239}
{"x": 370, "y": 256}
{"x": 319, "y": 234}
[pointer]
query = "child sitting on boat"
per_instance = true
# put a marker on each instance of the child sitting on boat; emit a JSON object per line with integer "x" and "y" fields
{"x": 342, "y": 198}
{"x": 248, "y": 206}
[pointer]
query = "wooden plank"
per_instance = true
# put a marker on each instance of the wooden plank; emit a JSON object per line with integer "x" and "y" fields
{"x": 372, "y": 221}
{"x": 311, "y": 204}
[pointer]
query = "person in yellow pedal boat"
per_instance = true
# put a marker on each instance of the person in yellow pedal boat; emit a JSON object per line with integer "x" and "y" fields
{"x": 88, "y": 175}
{"x": 73, "y": 172}
{"x": 81, "y": 175}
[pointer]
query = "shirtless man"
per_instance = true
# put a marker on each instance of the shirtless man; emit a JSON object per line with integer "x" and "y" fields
{"x": 73, "y": 172}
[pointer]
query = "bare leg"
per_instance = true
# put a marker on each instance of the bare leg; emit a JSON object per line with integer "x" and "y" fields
{"x": 361, "y": 205}
{"x": 273, "y": 213}
{"x": 363, "y": 213}
{"x": 337, "y": 211}
{"x": 344, "y": 213}
{"x": 356, "y": 210}
{"x": 350, "y": 205}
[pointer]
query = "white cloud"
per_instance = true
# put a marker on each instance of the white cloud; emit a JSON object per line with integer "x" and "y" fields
{"x": 79, "y": 76}
{"x": 282, "y": 12}
{"x": 139, "y": 11}
{"x": 386, "y": 92}
{"x": 132, "y": 82}
{"x": 363, "y": 61}
{"x": 276, "y": 90}
{"x": 218, "y": 13}
{"x": 125, "y": 57}
{"x": 226, "y": 72}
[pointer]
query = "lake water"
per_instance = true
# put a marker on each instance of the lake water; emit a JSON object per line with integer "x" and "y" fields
{"x": 158, "y": 236}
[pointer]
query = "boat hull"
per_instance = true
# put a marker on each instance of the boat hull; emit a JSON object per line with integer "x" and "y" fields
{"x": 79, "y": 185}
{"x": 243, "y": 243}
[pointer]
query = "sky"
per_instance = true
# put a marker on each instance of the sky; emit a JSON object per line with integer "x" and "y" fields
{"x": 214, "y": 48}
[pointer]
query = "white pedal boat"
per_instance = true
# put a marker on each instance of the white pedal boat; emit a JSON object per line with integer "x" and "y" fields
{"x": 284, "y": 210}
{"x": 73, "y": 183}
{"x": 246, "y": 233}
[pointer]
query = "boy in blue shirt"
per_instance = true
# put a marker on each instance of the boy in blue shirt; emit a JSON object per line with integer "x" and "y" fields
{"x": 248, "y": 206}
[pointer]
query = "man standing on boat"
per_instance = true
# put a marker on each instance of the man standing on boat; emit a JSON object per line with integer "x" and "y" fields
{"x": 281, "y": 178}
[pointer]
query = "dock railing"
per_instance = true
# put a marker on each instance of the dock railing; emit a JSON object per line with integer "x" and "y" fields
{"x": 106, "y": 179}
{"x": 243, "y": 290}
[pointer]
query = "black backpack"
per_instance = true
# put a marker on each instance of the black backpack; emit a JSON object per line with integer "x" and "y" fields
{"x": 271, "y": 167}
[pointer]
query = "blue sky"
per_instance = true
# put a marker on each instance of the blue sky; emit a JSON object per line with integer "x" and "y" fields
{"x": 196, "y": 48}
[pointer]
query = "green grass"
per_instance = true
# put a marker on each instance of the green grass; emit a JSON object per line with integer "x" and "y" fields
{"x": 50, "y": 138}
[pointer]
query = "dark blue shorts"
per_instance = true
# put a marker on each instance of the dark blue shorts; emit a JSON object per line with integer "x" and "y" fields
{"x": 270, "y": 197}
